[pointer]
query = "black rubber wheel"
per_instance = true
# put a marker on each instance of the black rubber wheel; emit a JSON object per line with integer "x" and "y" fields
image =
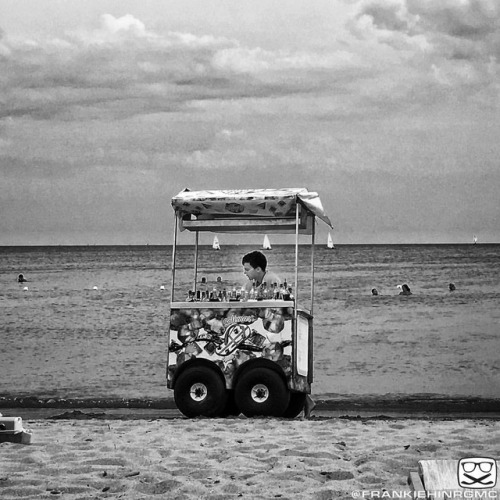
{"x": 200, "y": 391}
{"x": 261, "y": 391}
{"x": 296, "y": 404}
{"x": 231, "y": 409}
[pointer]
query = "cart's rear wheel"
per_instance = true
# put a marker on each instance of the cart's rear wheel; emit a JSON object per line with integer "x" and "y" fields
{"x": 262, "y": 391}
{"x": 200, "y": 391}
{"x": 296, "y": 404}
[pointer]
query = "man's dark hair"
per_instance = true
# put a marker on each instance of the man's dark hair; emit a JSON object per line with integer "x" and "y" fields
{"x": 255, "y": 259}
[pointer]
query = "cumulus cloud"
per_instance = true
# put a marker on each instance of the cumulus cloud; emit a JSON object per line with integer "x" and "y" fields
{"x": 392, "y": 51}
{"x": 119, "y": 62}
{"x": 121, "y": 67}
{"x": 449, "y": 44}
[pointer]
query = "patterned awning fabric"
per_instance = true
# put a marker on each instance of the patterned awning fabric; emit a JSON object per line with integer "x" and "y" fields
{"x": 248, "y": 202}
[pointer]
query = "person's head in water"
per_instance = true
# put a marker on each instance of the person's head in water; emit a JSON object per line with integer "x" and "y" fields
{"x": 21, "y": 278}
{"x": 405, "y": 290}
{"x": 374, "y": 291}
{"x": 254, "y": 265}
{"x": 451, "y": 286}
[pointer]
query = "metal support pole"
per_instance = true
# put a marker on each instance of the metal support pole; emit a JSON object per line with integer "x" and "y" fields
{"x": 174, "y": 248}
{"x": 296, "y": 256}
{"x": 313, "y": 234}
{"x": 196, "y": 260}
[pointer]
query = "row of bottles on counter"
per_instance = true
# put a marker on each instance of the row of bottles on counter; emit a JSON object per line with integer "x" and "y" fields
{"x": 220, "y": 293}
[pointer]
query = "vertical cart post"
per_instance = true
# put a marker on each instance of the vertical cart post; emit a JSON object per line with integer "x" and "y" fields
{"x": 174, "y": 247}
{"x": 313, "y": 235}
{"x": 196, "y": 241}
{"x": 296, "y": 255}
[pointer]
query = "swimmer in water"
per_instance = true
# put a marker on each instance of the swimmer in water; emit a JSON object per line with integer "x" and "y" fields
{"x": 405, "y": 290}
{"x": 21, "y": 279}
{"x": 452, "y": 287}
{"x": 374, "y": 291}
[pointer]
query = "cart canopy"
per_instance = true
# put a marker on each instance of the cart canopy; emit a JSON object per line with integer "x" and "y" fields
{"x": 246, "y": 204}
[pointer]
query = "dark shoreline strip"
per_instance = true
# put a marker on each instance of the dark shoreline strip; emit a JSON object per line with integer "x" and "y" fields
{"x": 410, "y": 404}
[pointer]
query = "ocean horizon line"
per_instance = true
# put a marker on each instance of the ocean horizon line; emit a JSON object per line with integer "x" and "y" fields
{"x": 208, "y": 245}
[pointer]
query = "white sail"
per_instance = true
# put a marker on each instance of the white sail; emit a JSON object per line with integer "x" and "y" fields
{"x": 215, "y": 244}
{"x": 267, "y": 244}
{"x": 474, "y": 239}
{"x": 329, "y": 243}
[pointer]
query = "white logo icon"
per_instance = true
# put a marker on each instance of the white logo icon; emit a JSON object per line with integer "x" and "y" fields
{"x": 477, "y": 473}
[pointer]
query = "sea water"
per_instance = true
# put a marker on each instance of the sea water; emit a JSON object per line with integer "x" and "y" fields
{"x": 92, "y": 321}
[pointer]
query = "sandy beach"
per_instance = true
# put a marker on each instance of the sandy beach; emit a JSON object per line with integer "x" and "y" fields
{"x": 320, "y": 458}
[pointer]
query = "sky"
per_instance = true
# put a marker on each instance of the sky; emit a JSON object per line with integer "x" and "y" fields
{"x": 389, "y": 109}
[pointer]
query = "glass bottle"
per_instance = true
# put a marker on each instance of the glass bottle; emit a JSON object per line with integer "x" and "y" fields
{"x": 203, "y": 287}
{"x": 252, "y": 294}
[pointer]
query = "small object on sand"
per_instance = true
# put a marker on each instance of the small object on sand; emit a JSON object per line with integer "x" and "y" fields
{"x": 132, "y": 474}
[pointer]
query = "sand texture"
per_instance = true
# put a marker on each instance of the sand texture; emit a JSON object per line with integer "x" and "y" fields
{"x": 231, "y": 458}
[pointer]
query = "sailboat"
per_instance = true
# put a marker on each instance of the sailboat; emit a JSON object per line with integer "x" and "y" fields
{"x": 266, "y": 245}
{"x": 474, "y": 239}
{"x": 215, "y": 244}
{"x": 329, "y": 243}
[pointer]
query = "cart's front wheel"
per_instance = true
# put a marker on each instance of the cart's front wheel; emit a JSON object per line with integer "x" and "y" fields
{"x": 200, "y": 391}
{"x": 261, "y": 391}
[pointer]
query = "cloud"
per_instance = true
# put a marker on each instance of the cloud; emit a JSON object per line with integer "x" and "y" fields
{"x": 390, "y": 50}
{"x": 451, "y": 47}
{"x": 122, "y": 68}
{"x": 125, "y": 24}
{"x": 473, "y": 19}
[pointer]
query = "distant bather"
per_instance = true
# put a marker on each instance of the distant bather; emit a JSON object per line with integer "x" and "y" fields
{"x": 405, "y": 290}
{"x": 21, "y": 279}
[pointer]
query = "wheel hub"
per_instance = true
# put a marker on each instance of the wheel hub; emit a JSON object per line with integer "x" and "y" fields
{"x": 260, "y": 393}
{"x": 198, "y": 391}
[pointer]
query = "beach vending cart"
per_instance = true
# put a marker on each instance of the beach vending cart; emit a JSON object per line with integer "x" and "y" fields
{"x": 234, "y": 352}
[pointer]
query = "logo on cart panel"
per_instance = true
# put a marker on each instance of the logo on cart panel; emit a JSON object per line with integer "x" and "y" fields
{"x": 234, "y": 336}
{"x": 477, "y": 472}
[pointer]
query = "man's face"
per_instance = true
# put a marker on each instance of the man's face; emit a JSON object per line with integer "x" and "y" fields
{"x": 250, "y": 272}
